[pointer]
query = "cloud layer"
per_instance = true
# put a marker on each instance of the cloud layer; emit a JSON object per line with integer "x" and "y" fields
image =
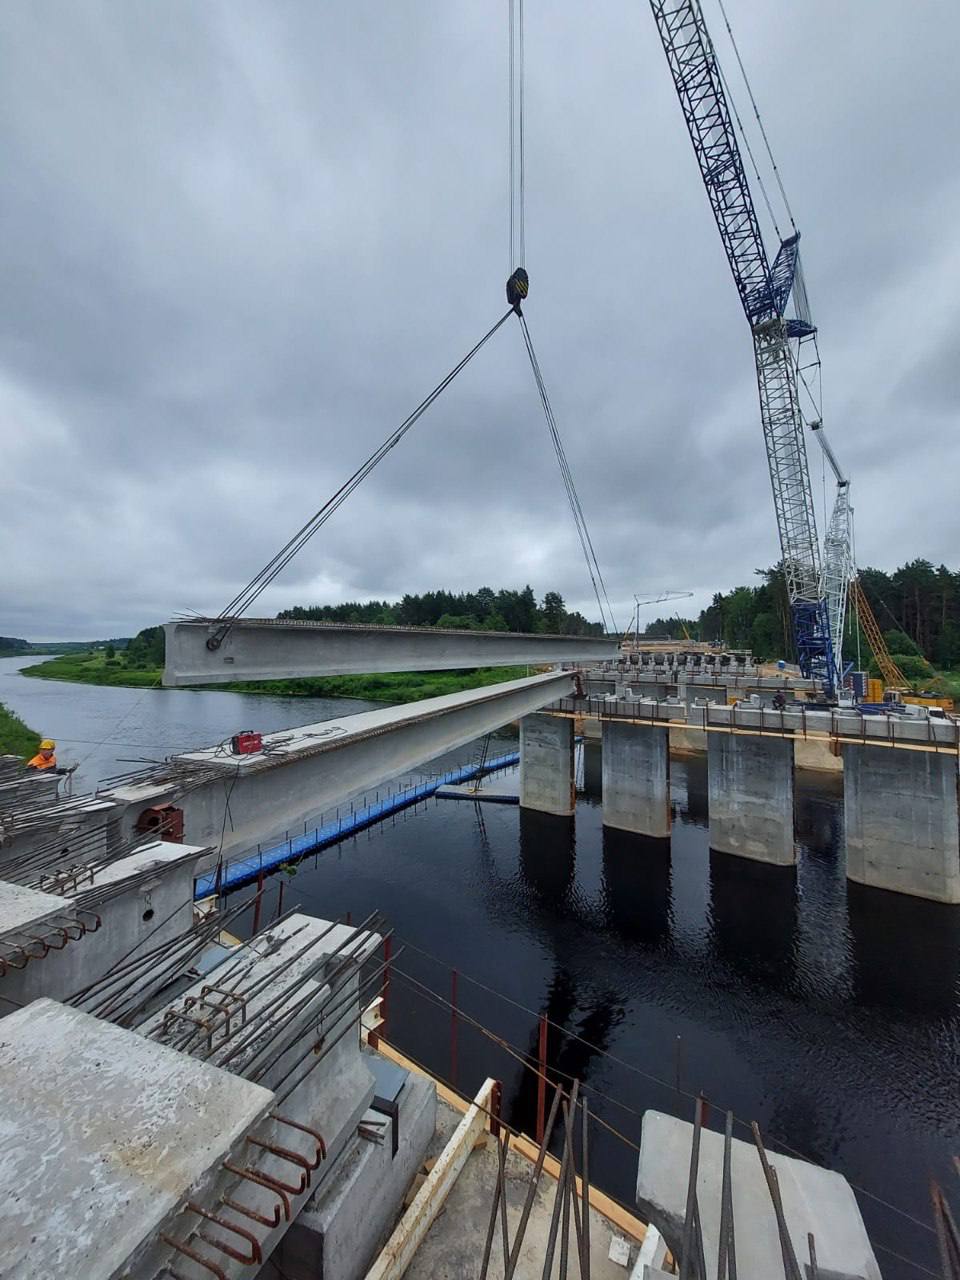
{"x": 239, "y": 242}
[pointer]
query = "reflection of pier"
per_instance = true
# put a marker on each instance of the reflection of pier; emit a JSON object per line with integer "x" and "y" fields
{"x": 906, "y": 952}
{"x": 548, "y": 867}
{"x": 753, "y": 910}
{"x": 636, "y": 886}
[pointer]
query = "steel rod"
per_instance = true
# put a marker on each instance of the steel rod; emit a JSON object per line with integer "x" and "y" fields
{"x": 532, "y": 1189}
{"x": 687, "y": 1267}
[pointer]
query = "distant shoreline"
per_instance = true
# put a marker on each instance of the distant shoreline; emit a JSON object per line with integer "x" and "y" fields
{"x": 397, "y": 687}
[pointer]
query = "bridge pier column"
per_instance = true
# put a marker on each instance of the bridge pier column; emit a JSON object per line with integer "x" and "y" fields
{"x": 902, "y": 820}
{"x": 750, "y": 785}
{"x": 636, "y": 778}
{"x": 547, "y": 780}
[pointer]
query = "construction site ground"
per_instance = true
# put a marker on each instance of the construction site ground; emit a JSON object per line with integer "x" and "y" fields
{"x": 453, "y": 1247}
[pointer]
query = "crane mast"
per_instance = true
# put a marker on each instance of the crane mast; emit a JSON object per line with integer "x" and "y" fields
{"x": 838, "y": 566}
{"x": 764, "y": 293}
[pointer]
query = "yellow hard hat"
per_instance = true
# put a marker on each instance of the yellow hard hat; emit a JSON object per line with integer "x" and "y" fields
{"x": 48, "y": 745}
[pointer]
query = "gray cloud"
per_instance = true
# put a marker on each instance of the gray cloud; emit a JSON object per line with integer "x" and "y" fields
{"x": 239, "y": 242}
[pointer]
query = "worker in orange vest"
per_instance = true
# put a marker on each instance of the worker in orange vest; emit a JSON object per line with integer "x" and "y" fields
{"x": 45, "y": 757}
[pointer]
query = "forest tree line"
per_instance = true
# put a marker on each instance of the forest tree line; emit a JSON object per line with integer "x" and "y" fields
{"x": 481, "y": 610}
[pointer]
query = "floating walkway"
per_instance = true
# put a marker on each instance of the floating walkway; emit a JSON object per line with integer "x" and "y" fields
{"x": 241, "y": 871}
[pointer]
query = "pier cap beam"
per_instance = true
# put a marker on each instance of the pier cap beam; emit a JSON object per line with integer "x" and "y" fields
{"x": 274, "y": 649}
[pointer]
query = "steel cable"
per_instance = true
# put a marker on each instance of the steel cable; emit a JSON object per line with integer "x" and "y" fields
{"x": 756, "y": 112}
{"x": 245, "y": 598}
{"x": 586, "y": 542}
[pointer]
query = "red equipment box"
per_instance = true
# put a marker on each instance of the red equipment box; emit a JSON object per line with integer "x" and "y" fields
{"x": 246, "y": 743}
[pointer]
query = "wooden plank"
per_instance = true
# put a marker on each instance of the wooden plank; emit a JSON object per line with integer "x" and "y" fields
{"x": 399, "y": 1251}
{"x": 615, "y": 1213}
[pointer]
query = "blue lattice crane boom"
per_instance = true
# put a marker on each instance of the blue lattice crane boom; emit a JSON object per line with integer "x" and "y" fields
{"x": 765, "y": 290}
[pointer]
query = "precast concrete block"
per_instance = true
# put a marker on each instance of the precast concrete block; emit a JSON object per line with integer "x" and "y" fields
{"x": 146, "y": 912}
{"x": 636, "y": 778}
{"x": 815, "y": 1201}
{"x": 547, "y": 777}
{"x": 902, "y": 820}
{"x": 342, "y": 1228}
{"x": 751, "y": 797}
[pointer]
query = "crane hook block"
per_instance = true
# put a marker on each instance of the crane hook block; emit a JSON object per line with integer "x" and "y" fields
{"x": 518, "y": 286}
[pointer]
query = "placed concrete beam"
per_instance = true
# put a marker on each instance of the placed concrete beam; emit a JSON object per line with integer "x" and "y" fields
{"x": 264, "y": 649}
{"x": 751, "y": 797}
{"x": 547, "y": 780}
{"x": 902, "y": 821}
{"x": 816, "y": 1201}
{"x": 236, "y": 802}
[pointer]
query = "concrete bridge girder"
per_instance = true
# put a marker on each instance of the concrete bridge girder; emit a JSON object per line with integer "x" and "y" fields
{"x": 236, "y": 802}
{"x": 281, "y": 650}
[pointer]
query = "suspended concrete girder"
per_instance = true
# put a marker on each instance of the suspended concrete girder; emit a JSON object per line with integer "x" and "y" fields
{"x": 234, "y": 802}
{"x": 271, "y": 649}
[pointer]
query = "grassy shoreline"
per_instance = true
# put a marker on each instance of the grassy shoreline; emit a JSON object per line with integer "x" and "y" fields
{"x": 16, "y": 738}
{"x": 96, "y": 668}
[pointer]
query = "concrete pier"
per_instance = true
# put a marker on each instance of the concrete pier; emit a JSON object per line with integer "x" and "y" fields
{"x": 751, "y": 797}
{"x": 547, "y": 781}
{"x": 902, "y": 821}
{"x": 636, "y": 778}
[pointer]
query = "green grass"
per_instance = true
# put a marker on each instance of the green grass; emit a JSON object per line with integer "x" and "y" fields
{"x": 950, "y": 683}
{"x": 93, "y": 668}
{"x": 96, "y": 668}
{"x": 16, "y": 739}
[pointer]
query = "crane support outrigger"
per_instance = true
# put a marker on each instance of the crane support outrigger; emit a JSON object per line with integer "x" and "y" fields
{"x": 765, "y": 291}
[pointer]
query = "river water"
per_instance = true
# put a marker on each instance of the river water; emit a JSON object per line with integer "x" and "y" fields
{"x": 827, "y": 1012}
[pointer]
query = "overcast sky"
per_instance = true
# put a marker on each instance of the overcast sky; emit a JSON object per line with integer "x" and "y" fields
{"x": 240, "y": 241}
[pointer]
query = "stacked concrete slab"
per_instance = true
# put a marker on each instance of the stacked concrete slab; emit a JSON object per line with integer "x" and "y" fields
{"x": 70, "y": 929}
{"x": 189, "y": 1145}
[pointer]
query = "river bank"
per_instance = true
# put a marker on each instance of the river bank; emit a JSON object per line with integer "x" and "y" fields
{"x": 99, "y": 669}
{"x": 16, "y": 738}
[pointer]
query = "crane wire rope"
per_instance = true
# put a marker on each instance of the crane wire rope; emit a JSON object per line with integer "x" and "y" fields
{"x": 246, "y": 597}
{"x": 517, "y": 288}
{"x": 746, "y": 142}
{"x": 517, "y": 137}
{"x": 516, "y": 291}
{"x": 576, "y": 508}
{"x": 756, "y": 112}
